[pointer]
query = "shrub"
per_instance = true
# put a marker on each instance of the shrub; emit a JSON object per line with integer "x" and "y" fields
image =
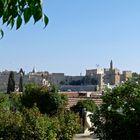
{"x": 118, "y": 116}
{"x": 47, "y": 99}
{"x": 88, "y": 104}
{"x": 69, "y": 125}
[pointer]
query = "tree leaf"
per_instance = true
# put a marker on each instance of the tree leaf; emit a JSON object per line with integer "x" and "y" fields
{"x": 37, "y": 14}
{"x": 11, "y": 9}
{"x": 1, "y": 33}
{"x": 12, "y": 23}
{"x": 27, "y": 15}
{"x": 9, "y": 20}
{"x": 19, "y": 22}
{"x": 46, "y": 20}
{"x": 5, "y": 17}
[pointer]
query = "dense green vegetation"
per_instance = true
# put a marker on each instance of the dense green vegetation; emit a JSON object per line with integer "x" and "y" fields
{"x": 11, "y": 83}
{"x": 46, "y": 99}
{"x": 89, "y": 105}
{"x": 118, "y": 116}
{"x": 21, "y": 83}
{"x": 14, "y": 12}
{"x": 37, "y": 114}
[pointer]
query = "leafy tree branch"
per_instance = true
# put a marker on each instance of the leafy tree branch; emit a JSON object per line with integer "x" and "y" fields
{"x": 15, "y": 12}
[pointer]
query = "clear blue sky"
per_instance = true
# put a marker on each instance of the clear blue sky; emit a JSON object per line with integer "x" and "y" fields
{"x": 80, "y": 34}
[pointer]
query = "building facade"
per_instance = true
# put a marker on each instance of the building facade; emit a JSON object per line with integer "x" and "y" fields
{"x": 96, "y": 78}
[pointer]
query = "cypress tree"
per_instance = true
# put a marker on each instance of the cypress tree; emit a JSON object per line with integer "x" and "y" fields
{"x": 11, "y": 83}
{"x": 21, "y": 83}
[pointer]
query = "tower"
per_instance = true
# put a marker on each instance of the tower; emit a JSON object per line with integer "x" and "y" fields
{"x": 21, "y": 72}
{"x": 111, "y": 65}
{"x": 34, "y": 70}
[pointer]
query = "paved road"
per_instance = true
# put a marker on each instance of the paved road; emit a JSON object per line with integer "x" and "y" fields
{"x": 84, "y": 137}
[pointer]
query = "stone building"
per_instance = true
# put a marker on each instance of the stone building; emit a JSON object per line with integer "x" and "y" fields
{"x": 56, "y": 78}
{"x": 125, "y": 76}
{"x": 112, "y": 76}
{"x": 100, "y": 78}
{"x": 37, "y": 77}
{"x": 97, "y": 74}
{"x": 4, "y": 75}
{"x": 109, "y": 76}
{"x": 93, "y": 72}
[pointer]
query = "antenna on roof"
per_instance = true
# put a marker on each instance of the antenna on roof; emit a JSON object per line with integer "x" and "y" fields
{"x": 97, "y": 65}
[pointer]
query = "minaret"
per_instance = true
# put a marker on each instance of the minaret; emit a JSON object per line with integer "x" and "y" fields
{"x": 111, "y": 65}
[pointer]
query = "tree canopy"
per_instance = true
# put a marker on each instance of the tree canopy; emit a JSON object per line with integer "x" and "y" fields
{"x": 118, "y": 116}
{"x": 47, "y": 99}
{"x": 89, "y": 105}
{"x": 15, "y": 12}
{"x": 11, "y": 83}
{"x": 19, "y": 121}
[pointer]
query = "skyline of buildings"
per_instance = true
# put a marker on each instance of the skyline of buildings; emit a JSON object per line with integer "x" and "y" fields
{"x": 36, "y": 69}
{"x": 110, "y": 30}
{"x": 94, "y": 79}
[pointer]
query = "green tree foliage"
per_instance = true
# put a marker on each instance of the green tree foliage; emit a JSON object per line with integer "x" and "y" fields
{"x": 36, "y": 126}
{"x": 135, "y": 75}
{"x": 69, "y": 125}
{"x": 10, "y": 101}
{"x": 15, "y": 102}
{"x": 10, "y": 125}
{"x": 118, "y": 116}
{"x": 30, "y": 124}
{"x": 21, "y": 83}
{"x": 88, "y": 104}
{"x": 14, "y": 12}
{"x": 11, "y": 83}
{"x": 47, "y": 99}
{"x": 4, "y": 101}
{"x": 21, "y": 119}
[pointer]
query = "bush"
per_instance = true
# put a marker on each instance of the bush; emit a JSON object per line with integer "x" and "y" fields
{"x": 88, "y": 104}
{"x": 28, "y": 125}
{"x": 10, "y": 101}
{"x": 4, "y": 101}
{"x": 69, "y": 125}
{"x": 10, "y": 125}
{"x": 47, "y": 99}
{"x": 20, "y": 119}
{"x": 118, "y": 116}
{"x": 36, "y": 126}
